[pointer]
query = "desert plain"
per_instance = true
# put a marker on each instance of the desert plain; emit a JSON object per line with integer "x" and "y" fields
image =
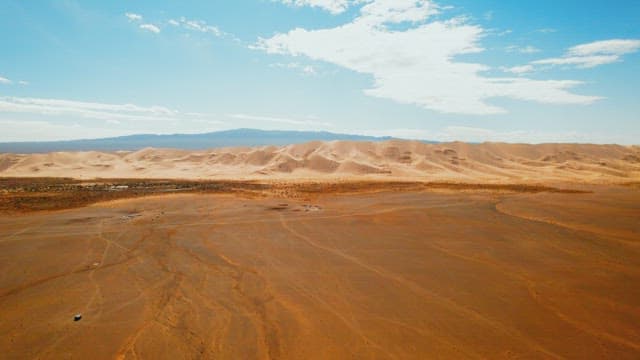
{"x": 394, "y": 250}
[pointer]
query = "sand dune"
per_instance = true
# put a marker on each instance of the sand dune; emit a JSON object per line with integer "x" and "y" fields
{"x": 325, "y": 270}
{"x": 487, "y": 162}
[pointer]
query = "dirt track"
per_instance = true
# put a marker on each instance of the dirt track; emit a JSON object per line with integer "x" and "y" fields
{"x": 386, "y": 275}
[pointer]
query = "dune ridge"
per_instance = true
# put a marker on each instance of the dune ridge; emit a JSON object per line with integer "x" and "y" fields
{"x": 394, "y": 159}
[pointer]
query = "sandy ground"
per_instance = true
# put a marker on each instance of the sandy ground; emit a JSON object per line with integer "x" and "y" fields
{"x": 404, "y": 160}
{"x": 390, "y": 275}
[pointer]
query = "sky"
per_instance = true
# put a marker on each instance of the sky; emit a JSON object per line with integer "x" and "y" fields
{"x": 445, "y": 70}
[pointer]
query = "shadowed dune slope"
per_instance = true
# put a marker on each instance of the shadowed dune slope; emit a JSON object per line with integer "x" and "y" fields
{"x": 487, "y": 162}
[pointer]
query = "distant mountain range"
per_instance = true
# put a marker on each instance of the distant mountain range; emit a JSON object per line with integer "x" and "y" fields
{"x": 238, "y": 137}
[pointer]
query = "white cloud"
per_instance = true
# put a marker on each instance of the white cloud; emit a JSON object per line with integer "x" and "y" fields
{"x": 150, "y": 27}
{"x": 39, "y": 130}
{"x": 282, "y": 120}
{"x": 133, "y": 17}
{"x": 91, "y": 110}
{"x": 594, "y": 54}
{"x": 546, "y": 30}
{"x": 606, "y": 47}
{"x": 6, "y": 81}
{"x": 522, "y": 49}
{"x": 305, "y": 69}
{"x": 503, "y": 32}
{"x": 309, "y": 70}
{"x": 333, "y": 6}
{"x": 182, "y": 23}
{"x": 519, "y": 70}
{"x": 196, "y": 25}
{"x": 28, "y": 130}
{"x": 33, "y": 119}
{"x": 417, "y": 65}
{"x": 379, "y": 12}
{"x": 579, "y": 61}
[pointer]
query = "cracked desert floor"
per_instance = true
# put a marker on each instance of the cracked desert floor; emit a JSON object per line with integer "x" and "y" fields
{"x": 385, "y": 275}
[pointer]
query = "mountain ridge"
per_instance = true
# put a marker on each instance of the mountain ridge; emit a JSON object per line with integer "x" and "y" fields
{"x": 226, "y": 138}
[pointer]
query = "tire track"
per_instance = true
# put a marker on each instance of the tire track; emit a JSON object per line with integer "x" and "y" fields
{"x": 603, "y": 335}
{"x": 415, "y": 288}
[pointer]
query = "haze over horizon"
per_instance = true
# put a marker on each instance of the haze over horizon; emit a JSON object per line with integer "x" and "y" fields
{"x": 444, "y": 70}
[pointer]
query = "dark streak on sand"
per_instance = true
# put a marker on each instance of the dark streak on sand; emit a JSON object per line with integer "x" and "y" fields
{"x": 38, "y": 194}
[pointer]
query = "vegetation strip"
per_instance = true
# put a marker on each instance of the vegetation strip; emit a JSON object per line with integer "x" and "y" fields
{"x": 38, "y": 194}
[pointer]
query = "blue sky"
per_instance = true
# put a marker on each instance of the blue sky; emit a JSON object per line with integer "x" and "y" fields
{"x": 525, "y": 71}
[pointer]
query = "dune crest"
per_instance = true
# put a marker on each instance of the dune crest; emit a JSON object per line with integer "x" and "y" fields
{"x": 396, "y": 159}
